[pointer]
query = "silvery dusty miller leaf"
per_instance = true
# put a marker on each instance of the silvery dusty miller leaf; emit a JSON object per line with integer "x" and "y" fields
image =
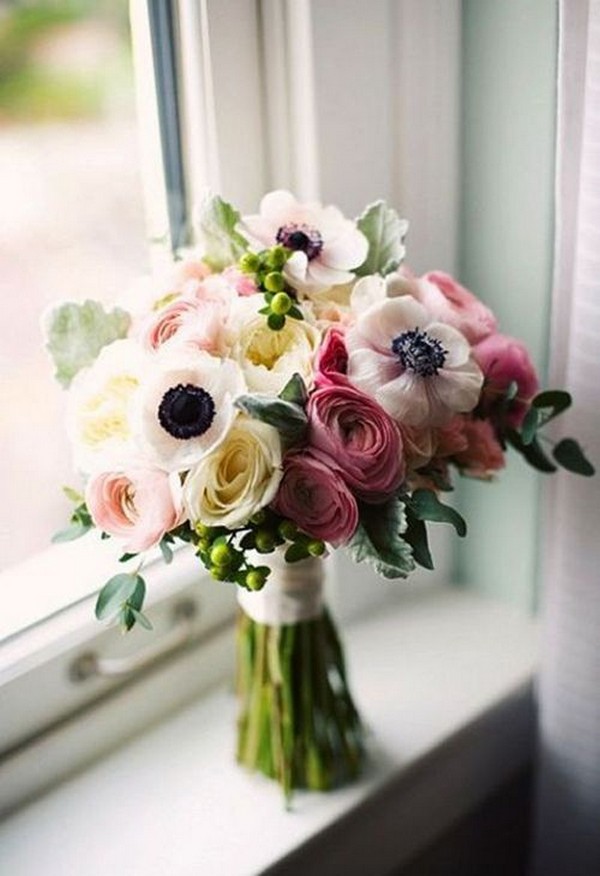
{"x": 75, "y": 334}
{"x": 223, "y": 245}
{"x": 378, "y": 540}
{"x": 385, "y": 231}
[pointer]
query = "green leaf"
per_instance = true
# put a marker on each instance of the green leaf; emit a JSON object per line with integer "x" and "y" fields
{"x": 532, "y": 453}
{"x": 141, "y": 619}
{"x": 115, "y": 592}
{"x": 569, "y": 454}
{"x": 133, "y": 606}
{"x": 378, "y": 540}
{"x": 75, "y": 334}
{"x": 385, "y": 231}
{"x": 289, "y": 419}
{"x": 73, "y": 495}
{"x": 425, "y": 505}
{"x": 295, "y": 312}
{"x": 530, "y": 425}
{"x": 416, "y": 536}
{"x": 124, "y": 558}
{"x": 72, "y": 532}
{"x": 223, "y": 244}
{"x": 295, "y": 391}
{"x": 551, "y": 403}
{"x": 166, "y": 551}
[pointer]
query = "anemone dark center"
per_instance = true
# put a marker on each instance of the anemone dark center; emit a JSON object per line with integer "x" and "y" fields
{"x": 186, "y": 411}
{"x": 419, "y": 352}
{"x": 301, "y": 238}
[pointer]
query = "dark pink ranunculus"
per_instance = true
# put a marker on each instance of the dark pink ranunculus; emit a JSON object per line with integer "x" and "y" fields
{"x": 451, "y": 303}
{"x": 315, "y": 496}
{"x": 505, "y": 360}
{"x": 361, "y": 437}
{"x": 332, "y": 359}
{"x": 483, "y": 454}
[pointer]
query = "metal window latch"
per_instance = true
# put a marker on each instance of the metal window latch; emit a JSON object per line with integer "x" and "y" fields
{"x": 92, "y": 665}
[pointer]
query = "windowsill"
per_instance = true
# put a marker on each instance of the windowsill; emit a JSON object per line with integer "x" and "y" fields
{"x": 443, "y": 680}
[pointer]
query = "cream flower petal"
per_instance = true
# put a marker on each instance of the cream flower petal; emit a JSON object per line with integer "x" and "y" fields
{"x": 277, "y": 206}
{"x": 347, "y": 250}
{"x": 366, "y": 292}
{"x": 320, "y": 276}
{"x": 295, "y": 269}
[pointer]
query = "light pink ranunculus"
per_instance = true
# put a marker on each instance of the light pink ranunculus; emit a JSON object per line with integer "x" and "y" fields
{"x": 139, "y": 505}
{"x": 332, "y": 359}
{"x": 505, "y": 360}
{"x": 451, "y": 303}
{"x": 191, "y": 320}
{"x": 483, "y": 454}
{"x": 314, "y": 495}
{"x": 361, "y": 437}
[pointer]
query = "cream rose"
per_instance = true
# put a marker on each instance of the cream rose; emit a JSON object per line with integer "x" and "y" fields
{"x": 238, "y": 478}
{"x": 269, "y": 358}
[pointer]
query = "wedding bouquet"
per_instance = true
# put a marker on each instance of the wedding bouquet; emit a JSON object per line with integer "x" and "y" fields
{"x": 288, "y": 388}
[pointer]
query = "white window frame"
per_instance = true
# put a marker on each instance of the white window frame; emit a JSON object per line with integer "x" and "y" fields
{"x": 222, "y": 143}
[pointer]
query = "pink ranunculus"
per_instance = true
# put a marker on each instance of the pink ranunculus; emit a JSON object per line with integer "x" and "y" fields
{"x": 199, "y": 322}
{"x": 483, "y": 454}
{"x": 451, "y": 303}
{"x": 451, "y": 439}
{"x": 332, "y": 359}
{"x": 243, "y": 284}
{"x": 505, "y": 360}
{"x": 361, "y": 437}
{"x": 314, "y": 495}
{"x": 139, "y": 505}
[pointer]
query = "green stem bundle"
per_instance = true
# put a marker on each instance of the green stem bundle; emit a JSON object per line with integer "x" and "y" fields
{"x": 298, "y": 723}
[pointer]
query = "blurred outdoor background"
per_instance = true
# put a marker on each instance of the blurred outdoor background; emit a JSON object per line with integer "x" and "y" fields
{"x": 71, "y": 227}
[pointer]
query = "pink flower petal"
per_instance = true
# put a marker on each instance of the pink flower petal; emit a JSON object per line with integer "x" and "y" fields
{"x": 455, "y": 344}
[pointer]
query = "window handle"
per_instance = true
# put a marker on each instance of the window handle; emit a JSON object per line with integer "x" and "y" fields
{"x": 93, "y": 665}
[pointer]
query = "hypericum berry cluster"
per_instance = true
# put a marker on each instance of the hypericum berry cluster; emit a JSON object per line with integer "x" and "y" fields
{"x": 224, "y": 552}
{"x": 266, "y": 267}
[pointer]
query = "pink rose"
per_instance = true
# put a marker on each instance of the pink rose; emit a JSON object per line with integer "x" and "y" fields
{"x": 314, "y": 495}
{"x": 483, "y": 454}
{"x": 505, "y": 360}
{"x": 196, "y": 321}
{"x": 361, "y": 437}
{"x": 451, "y": 303}
{"x": 332, "y": 359}
{"x": 139, "y": 505}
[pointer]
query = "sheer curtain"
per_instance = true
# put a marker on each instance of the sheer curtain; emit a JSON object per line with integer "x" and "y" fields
{"x": 568, "y": 798}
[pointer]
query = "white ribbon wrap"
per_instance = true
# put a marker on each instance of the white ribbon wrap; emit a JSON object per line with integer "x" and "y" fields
{"x": 293, "y": 592}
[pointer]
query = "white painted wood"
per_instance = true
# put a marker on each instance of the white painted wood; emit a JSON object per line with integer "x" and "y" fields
{"x": 444, "y": 684}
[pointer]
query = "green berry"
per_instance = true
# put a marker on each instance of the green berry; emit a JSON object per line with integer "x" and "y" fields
{"x": 281, "y": 303}
{"x": 277, "y": 257}
{"x": 202, "y": 530}
{"x": 274, "y": 282}
{"x": 276, "y": 321}
{"x": 221, "y": 554}
{"x": 264, "y": 541}
{"x": 204, "y": 544}
{"x": 316, "y": 548}
{"x": 219, "y": 573}
{"x": 287, "y": 529}
{"x": 259, "y": 517}
{"x": 255, "y": 580}
{"x": 249, "y": 263}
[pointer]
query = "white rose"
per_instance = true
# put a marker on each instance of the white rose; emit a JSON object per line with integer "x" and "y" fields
{"x": 100, "y": 408}
{"x": 238, "y": 478}
{"x": 270, "y": 358}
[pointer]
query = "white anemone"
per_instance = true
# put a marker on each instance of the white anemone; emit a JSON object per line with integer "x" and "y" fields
{"x": 186, "y": 406}
{"x": 327, "y": 246}
{"x": 420, "y": 371}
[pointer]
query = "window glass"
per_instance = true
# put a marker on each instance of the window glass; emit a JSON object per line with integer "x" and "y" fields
{"x": 71, "y": 227}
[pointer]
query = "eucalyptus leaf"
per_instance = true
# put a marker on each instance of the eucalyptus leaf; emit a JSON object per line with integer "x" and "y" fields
{"x": 385, "y": 231}
{"x": 551, "y": 403}
{"x": 217, "y": 228}
{"x": 75, "y": 334}
{"x": 166, "y": 551}
{"x": 71, "y": 533}
{"x": 295, "y": 391}
{"x": 425, "y": 505}
{"x": 141, "y": 618}
{"x": 570, "y": 456}
{"x": 132, "y": 607}
{"x": 289, "y": 419}
{"x": 530, "y": 425}
{"x": 378, "y": 540}
{"x": 532, "y": 453}
{"x": 115, "y": 592}
{"x": 73, "y": 495}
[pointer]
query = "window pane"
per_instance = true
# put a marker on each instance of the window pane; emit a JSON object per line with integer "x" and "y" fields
{"x": 71, "y": 227}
